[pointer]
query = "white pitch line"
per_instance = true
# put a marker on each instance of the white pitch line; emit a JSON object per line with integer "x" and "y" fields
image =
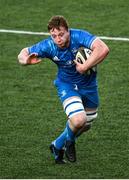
{"x": 114, "y": 38}
{"x": 47, "y": 34}
{"x": 23, "y": 32}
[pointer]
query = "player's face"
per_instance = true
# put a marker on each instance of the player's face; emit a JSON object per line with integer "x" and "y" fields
{"x": 60, "y": 37}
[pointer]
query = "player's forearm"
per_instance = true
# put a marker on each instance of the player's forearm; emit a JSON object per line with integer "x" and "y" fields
{"x": 96, "y": 57}
{"x": 99, "y": 51}
{"x": 23, "y": 56}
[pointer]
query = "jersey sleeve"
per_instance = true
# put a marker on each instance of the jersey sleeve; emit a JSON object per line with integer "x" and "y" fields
{"x": 41, "y": 48}
{"x": 86, "y": 39}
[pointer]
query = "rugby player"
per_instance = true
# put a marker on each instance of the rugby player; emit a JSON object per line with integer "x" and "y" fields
{"x": 77, "y": 89}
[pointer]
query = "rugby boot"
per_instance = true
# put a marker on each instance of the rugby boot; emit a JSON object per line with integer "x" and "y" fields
{"x": 58, "y": 154}
{"x": 70, "y": 151}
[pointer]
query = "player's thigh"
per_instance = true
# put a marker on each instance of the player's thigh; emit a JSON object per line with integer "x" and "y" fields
{"x": 65, "y": 90}
{"x": 91, "y": 103}
{"x": 90, "y": 100}
{"x": 75, "y": 111}
{"x": 71, "y": 101}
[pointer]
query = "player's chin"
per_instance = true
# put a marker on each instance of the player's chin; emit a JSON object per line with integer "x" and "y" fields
{"x": 61, "y": 45}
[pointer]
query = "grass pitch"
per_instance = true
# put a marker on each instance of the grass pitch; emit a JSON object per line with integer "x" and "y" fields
{"x": 31, "y": 115}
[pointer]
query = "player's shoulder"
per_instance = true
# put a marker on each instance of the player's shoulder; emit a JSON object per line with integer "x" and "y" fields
{"x": 48, "y": 41}
{"x": 47, "y": 44}
{"x": 78, "y": 32}
{"x": 75, "y": 31}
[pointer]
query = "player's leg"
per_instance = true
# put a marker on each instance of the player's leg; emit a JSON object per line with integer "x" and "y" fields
{"x": 91, "y": 103}
{"x": 77, "y": 118}
{"x": 91, "y": 114}
{"x": 82, "y": 122}
{"x": 72, "y": 106}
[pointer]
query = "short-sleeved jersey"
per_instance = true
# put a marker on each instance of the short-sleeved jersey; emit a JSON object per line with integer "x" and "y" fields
{"x": 63, "y": 57}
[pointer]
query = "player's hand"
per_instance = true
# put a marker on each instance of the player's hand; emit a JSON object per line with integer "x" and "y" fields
{"x": 80, "y": 67}
{"x": 33, "y": 59}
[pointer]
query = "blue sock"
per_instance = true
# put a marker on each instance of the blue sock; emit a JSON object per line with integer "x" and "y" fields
{"x": 70, "y": 133}
{"x": 67, "y": 134}
{"x": 60, "y": 141}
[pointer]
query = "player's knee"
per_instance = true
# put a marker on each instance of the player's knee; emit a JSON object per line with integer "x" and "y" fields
{"x": 75, "y": 111}
{"x": 91, "y": 116}
{"x": 79, "y": 120}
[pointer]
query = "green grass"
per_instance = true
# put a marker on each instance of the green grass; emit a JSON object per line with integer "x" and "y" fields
{"x": 31, "y": 115}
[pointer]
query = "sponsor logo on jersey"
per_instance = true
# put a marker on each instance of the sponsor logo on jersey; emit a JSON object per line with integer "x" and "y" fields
{"x": 69, "y": 62}
{"x": 56, "y": 58}
{"x": 63, "y": 93}
{"x": 74, "y": 50}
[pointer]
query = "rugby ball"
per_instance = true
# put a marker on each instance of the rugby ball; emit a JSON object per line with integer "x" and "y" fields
{"x": 83, "y": 54}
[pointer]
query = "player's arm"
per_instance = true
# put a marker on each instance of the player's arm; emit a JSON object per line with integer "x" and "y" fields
{"x": 99, "y": 52}
{"x": 25, "y": 58}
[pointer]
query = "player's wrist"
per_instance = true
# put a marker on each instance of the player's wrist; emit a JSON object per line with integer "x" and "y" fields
{"x": 86, "y": 67}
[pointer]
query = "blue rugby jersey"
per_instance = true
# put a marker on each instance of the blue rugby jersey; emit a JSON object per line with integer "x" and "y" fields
{"x": 63, "y": 58}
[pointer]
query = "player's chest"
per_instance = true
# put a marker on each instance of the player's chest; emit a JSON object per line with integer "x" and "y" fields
{"x": 64, "y": 55}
